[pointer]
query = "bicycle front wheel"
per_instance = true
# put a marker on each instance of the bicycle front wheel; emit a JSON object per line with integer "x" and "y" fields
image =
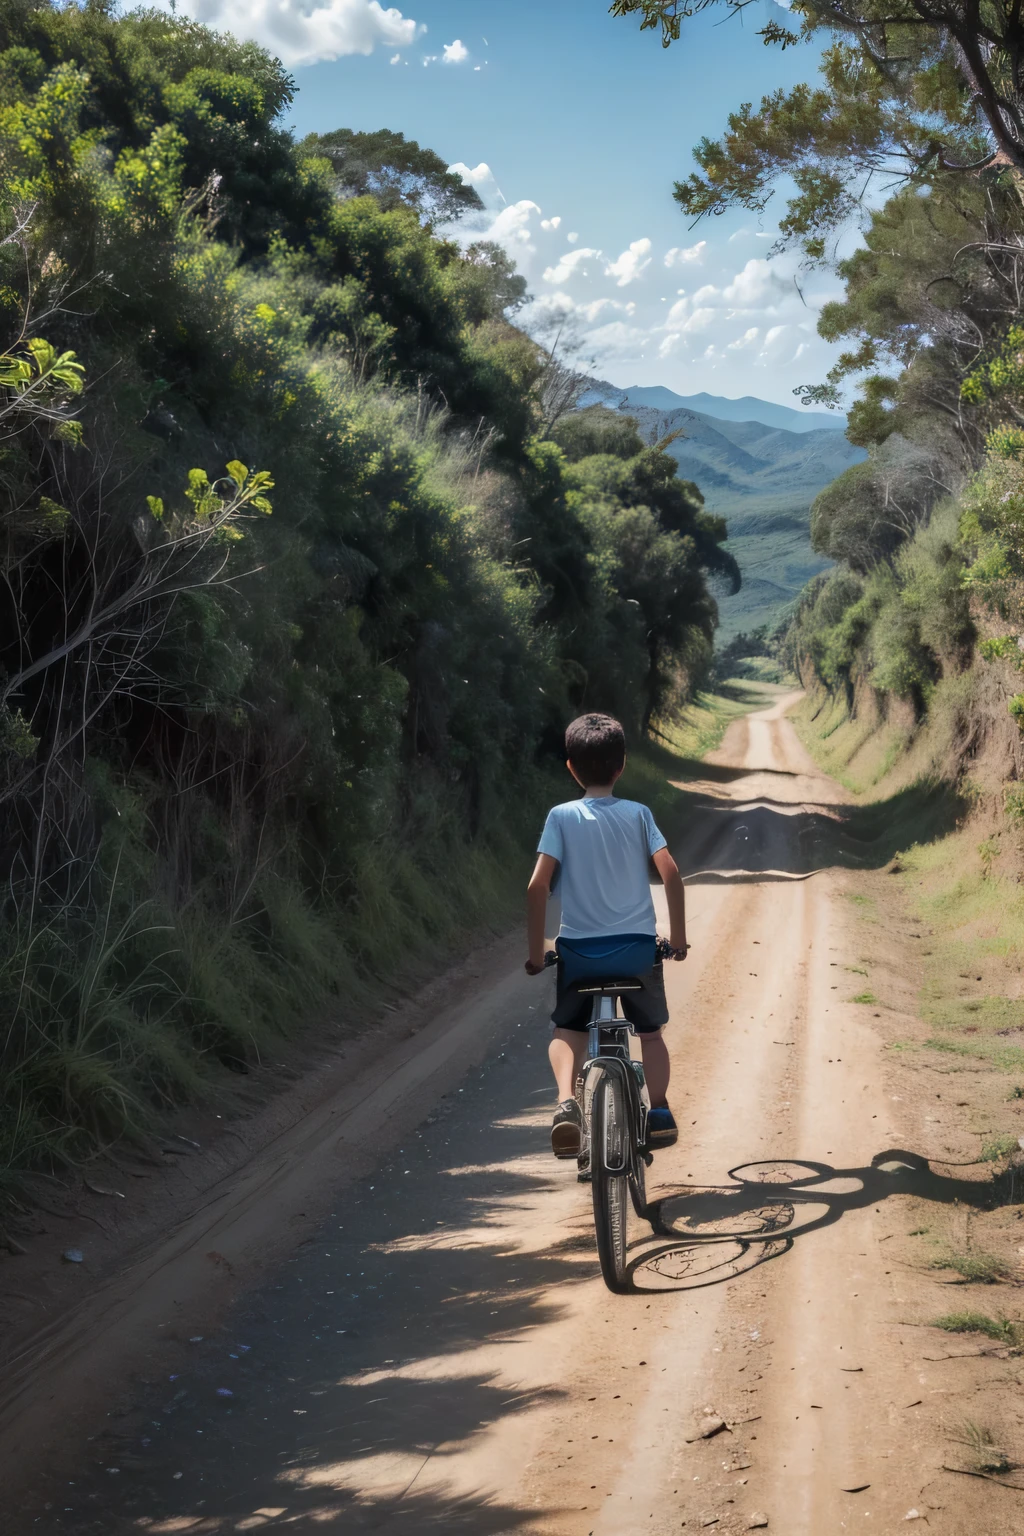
{"x": 608, "y": 1162}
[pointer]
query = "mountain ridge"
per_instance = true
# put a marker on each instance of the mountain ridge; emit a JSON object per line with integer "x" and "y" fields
{"x": 748, "y": 408}
{"x": 733, "y": 460}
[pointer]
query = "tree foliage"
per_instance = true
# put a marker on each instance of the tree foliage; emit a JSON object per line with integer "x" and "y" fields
{"x": 393, "y": 170}
{"x": 245, "y": 758}
{"x": 910, "y": 90}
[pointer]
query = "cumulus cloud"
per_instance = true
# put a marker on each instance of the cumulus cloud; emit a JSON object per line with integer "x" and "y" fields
{"x": 570, "y": 263}
{"x": 628, "y": 267}
{"x": 741, "y": 328}
{"x": 456, "y": 53}
{"x": 618, "y": 339}
{"x": 481, "y": 179}
{"x": 681, "y": 256}
{"x": 511, "y": 226}
{"x": 305, "y": 31}
{"x": 758, "y": 283}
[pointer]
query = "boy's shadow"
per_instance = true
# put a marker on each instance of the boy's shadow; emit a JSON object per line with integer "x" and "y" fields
{"x": 708, "y": 1235}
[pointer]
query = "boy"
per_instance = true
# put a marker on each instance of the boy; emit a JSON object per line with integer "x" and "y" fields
{"x": 599, "y": 850}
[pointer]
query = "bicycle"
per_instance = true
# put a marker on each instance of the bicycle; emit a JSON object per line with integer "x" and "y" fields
{"x": 613, "y": 1100}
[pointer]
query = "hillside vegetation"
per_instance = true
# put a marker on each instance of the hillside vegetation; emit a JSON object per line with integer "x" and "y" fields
{"x": 911, "y": 646}
{"x": 300, "y": 582}
{"x": 761, "y": 478}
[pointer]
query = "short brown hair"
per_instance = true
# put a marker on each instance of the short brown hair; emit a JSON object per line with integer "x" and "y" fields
{"x": 596, "y": 747}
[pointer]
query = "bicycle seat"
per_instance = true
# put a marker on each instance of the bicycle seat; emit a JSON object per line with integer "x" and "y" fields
{"x": 613, "y": 964}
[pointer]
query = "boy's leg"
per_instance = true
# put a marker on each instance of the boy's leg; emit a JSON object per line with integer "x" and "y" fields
{"x": 656, "y": 1067}
{"x": 566, "y": 1052}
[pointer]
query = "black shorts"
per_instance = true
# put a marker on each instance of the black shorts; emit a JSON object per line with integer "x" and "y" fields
{"x": 646, "y": 1010}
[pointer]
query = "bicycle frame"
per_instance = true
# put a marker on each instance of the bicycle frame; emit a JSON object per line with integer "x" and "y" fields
{"x": 611, "y": 1054}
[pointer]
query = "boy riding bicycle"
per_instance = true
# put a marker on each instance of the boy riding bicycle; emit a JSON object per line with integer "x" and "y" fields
{"x": 597, "y": 850}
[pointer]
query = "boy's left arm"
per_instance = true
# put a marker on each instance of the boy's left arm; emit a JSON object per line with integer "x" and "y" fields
{"x": 537, "y": 893}
{"x": 675, "y": 897}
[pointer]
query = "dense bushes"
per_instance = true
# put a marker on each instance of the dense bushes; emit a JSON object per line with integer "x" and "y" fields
{"x": 295, "y": 592}
{"x": 898, "y": 627}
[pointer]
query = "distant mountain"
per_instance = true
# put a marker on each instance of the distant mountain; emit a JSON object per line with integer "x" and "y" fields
{"x": 748, "y": 408}
{"x": 732, "y": 459}
{"x": 760, "y": 466}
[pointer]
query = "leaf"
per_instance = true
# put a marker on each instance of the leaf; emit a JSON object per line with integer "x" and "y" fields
{"x": 69, "y": 432}
{"x": 262, "y": 505}
{"x": 238, "y": 472}
{"x": 14, "y": 372}
{"x": 156, "y": 506}
{"x": 56, "y": 516}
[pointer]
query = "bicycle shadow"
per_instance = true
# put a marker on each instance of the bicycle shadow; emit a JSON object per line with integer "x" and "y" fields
{"x": 710, "y": 1235}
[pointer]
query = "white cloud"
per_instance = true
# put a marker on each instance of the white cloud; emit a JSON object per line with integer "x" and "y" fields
{"x": 481, "y": 179}
{"x": 628, "y": 267}
{"x": 396, "y": 58}
{"x": 512, "y": 225}
{"x": 680, "y": 256}
{"x": 571, "y": 262}
{"x": 741, "y": 327}
{"x": 456, "y": 53}
{"x": 758, "y": 283}
{"x": 618, "y": 339}
{"x": 601, "y": 306}
{"x": 305, "y": 31}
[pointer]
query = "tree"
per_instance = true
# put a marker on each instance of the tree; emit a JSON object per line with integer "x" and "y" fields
{"x": 872, "y": 508}
{"x": 394, "y": 170}
{"x": 911, "y": 90}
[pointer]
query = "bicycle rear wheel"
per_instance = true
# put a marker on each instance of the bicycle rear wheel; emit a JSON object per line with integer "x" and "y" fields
{"x": 608, "y": 1159}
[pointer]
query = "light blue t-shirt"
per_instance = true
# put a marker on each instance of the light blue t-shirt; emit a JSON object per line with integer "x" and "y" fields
{"x": 603, "y": 846}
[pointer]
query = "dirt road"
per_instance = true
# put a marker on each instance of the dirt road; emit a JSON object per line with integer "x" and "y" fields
{"x": 441, "y": 1356}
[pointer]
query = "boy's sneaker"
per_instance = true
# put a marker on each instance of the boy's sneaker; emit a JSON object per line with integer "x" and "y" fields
{"x": 567, "y": 1129}
{"x": 662, "y": 1130}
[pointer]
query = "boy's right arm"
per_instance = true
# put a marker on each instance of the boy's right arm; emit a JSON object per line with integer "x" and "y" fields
{"x": 675, "y": 899}
{"x": 537, "y": 893}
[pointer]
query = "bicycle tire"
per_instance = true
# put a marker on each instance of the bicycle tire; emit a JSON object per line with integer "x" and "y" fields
{"x": 638, "y": 1187}
{"x": 609, "y": 1146}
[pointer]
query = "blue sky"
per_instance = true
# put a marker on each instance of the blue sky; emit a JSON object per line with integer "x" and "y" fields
{"x": 572, "y": 123}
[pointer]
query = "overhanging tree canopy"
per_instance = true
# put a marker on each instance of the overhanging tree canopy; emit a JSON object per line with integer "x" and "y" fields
{"x": 911, "y": 91}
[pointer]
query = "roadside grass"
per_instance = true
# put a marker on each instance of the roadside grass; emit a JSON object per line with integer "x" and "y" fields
{"x": 864, "y": 997}
{"x": 983, "y": 1451}
{"x": 969, "y": 912}
{"x": 1002, "y": 1329}
{"x": 702, "y": 724}
{"x": 972, "y": 1265}
{"x": 109, "y": 1029}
